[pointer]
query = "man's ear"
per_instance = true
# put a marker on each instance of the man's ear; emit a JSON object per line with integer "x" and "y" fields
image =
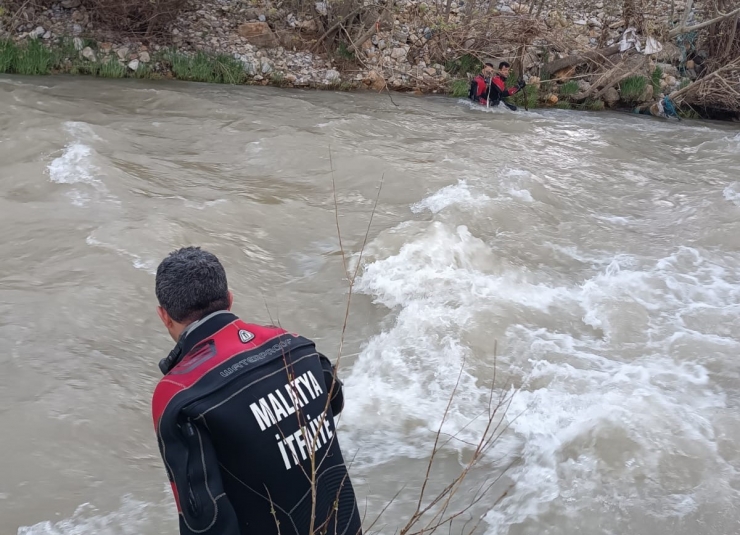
{"x": 166, "y": 319}
{"x": 231, "y": 300}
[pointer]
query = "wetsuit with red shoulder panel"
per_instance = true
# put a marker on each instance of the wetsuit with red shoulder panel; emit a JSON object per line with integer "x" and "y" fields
{"x": 501, "y": 91}
{"x": 479, "y": 89}
{"x": 239, "y": 414}
{"x": 489, "y": 89}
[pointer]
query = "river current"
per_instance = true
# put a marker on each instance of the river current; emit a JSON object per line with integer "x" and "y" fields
{"x": 590, "y": 260}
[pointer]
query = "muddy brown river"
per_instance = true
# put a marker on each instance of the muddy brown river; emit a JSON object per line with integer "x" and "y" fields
{"x": 598, "y": 253}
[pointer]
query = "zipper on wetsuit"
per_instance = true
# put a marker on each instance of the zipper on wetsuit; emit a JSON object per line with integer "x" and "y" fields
{"x": 192, "y": 440}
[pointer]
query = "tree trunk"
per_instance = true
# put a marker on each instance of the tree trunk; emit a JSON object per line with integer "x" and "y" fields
{"x": 577, "y": 59}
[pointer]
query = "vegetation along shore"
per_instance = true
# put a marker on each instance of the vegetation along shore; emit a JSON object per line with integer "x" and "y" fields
{"x": 649, "y": 56}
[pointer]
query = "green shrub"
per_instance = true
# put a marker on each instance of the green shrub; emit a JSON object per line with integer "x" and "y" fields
{"x": 465, "y": 64}
{"x": 229, "y": 70}
{"x": 655, "y": 79}
{"x": 32, "y": 59}
{"x": 344, "y": 52}
{"x": 144, "y": 71}
{"x": 530, "y": 94}
{"x": 459, "y": 88}
{"x": 112, "y": 69}
{"x": 568, "y": 88}
{"x": 8, "y": 53}
{"x": 632, "y": 88}
{"x": 64, "y": 52}
{"x": 202, "y": 67}
{"x": 593, "y": 105}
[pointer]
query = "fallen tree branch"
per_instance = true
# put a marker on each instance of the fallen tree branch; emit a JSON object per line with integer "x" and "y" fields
{"x": 609, "y": 79}
{"x": 577, "y": 59}
{"x": 336, "y": 26}
{"x": 686, "y": 29}
{"x": 698, "y": 83}
{"x": 364, "y": 37}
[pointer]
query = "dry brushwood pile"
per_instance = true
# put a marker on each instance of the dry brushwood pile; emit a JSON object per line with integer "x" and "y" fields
{"x": 720, "y": 86}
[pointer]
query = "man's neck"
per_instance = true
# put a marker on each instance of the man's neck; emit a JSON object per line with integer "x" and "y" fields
{"x": 194, "y": 325}
{"x": 193, "y": 334}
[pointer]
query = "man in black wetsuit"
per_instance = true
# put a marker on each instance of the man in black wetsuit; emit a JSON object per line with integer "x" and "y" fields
{"x": 244, "y": 416}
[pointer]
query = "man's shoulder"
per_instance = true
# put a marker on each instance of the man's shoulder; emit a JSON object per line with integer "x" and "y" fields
{"x": 261, "y": 333}
{"x": 166, "y": 389}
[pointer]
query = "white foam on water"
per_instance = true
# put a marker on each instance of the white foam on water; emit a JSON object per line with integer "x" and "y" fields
{"x": 615, "y": 219}
{"x": 460, "y": 194}
{"x": 79, "y": 130}
{"x": 74, "y": 166}
{"x": 332, "y": 123}
{"x": 131, "y": 519}
{"x": 148, "y": 265}
{"x": 611, "y": 408}
{"x": 732, "y": 193}
{"x": 491, "y": 109}
{"x": 522, "y": 195}
{"x": 437, "y": 283}
{"x": 581, "y": 256}
{"x": 515, "y": 184}
{"x": 202, "y": 205}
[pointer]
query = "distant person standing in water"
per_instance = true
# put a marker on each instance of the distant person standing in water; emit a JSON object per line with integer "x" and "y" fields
{"x": 244, "y": 415}
{"x": 488, "y": 90}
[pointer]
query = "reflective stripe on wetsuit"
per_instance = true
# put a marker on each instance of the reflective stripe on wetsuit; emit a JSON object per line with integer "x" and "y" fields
{"x": 237, "y": 421}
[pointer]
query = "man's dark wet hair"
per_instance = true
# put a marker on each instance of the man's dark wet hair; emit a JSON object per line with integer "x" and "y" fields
{"x": 488, "y": 65}
{"x": 191, "y": 284}
{"x": 503, "y": 64}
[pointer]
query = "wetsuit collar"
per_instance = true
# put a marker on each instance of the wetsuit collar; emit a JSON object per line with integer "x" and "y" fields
{"x": 193, "y": 334}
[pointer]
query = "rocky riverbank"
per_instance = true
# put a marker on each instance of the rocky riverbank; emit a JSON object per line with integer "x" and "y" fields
{"x": 409, "y": 45}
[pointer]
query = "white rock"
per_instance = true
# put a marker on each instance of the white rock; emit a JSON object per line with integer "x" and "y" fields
{"x": 144, "y": 57}
{"x": 668, "y": 69}
{"x": 580, "y": 22}
{"x": 88, "y": 54}
{"x": 47, "y": 35}
{"x": 133, "y": 64}
{"x": 262, "y": 18}
{"x": 398, "y": 53}
{"x": 38, "y": 32}
{"x": 76, "y": 29}
{"x": 332, "y": 75}
{"x": 594, "y": 22}
{"x": 175, "y": 32}
{"x": 122, "y": 52}
{"x": 611, "y": 97}
{"x": 79, "y": 43}
{"x": 266, "y": 66}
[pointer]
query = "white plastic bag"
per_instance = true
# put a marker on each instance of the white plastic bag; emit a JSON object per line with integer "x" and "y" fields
{"x": 652, "y": 46}
{"x": 629, "y": 39}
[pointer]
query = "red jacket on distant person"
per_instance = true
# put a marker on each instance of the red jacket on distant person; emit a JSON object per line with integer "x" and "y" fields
{"x": 500, "y": 83}
{"x": 479, "y": 90}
